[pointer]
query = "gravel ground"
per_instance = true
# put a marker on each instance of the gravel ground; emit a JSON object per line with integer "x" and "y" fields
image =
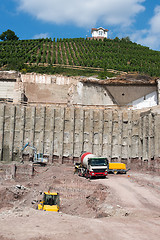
{"x": 118, "y": 207}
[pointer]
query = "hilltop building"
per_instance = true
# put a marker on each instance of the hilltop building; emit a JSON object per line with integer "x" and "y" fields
{"x": 99, "y": 33}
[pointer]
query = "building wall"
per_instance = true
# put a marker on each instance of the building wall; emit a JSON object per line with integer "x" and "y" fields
{"x": 63, "y": 133}
{"x": 96, "y": 34}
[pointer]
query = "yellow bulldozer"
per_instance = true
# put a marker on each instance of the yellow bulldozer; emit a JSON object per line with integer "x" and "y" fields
{"x": 50, "y": 202}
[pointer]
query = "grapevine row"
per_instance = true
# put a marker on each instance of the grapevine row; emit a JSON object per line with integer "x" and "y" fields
{"x": 113, "y": 54}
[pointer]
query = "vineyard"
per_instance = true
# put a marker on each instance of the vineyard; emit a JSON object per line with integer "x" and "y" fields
{"x": 117, "y": 54}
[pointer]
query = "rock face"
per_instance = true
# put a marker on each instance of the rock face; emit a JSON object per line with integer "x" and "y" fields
{"x": 131, "y": 90}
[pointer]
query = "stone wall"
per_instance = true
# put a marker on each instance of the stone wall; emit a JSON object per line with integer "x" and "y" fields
{"x": 63, "y": 133}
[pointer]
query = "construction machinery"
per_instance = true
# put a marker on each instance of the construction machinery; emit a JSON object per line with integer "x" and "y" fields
{"x": 36, "y": 158}
{"x": 50, "y": 202}
{"x": 117, "y": 168}
{"x": 91, "y": 166}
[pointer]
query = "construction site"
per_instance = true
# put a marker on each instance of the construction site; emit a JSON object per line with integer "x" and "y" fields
{"x": 47, "y": 123}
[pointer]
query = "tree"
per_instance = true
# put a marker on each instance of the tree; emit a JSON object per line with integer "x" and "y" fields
{"x": 126, "y": 39}
{"x": 117, "y": 39}
{"x": 8, "y": 35}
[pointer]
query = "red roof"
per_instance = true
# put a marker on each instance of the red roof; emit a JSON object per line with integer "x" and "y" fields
{"x": 96, "y": 29}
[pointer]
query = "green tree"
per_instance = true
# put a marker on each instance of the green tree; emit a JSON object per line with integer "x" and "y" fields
{"x": 126, "y": 39}
{"x": 8, "y": 35}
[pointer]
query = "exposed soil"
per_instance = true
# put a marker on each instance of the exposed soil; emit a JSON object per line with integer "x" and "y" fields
{"x": 118, "y": 207}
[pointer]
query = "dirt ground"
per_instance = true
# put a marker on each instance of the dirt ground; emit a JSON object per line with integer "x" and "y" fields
{"x": 115, "y": 208}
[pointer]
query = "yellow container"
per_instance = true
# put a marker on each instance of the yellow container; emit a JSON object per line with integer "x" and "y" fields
{"x": 116, "y": 167}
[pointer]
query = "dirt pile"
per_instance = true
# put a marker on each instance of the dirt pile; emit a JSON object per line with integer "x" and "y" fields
{"x": 9, "y": 195}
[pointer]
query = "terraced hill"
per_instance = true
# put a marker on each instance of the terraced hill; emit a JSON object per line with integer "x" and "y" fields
{"x": 118, "y": 54}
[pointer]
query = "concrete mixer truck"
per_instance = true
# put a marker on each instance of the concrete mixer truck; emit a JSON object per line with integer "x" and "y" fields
{"x": 92, "y": 166}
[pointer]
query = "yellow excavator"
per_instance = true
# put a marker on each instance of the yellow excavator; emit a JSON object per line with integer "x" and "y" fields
{"x": 50, "y": 202}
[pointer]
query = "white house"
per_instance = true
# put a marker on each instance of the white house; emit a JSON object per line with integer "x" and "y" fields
{"x": 99, "y": 32}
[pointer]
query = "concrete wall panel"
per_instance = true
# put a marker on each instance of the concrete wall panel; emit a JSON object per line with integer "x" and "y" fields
{"x": 78, "y": 132}
{"x": 107, "y": 133}
{"x": 66, "y": 132}
{"x": 2, "y": 114}
{"x": 88, "y": 131}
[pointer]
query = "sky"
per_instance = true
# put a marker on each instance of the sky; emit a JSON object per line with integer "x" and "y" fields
{"x": 31, "y": 19}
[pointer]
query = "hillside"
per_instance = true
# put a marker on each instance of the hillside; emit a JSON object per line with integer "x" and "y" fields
{"x": 121, "y": 55}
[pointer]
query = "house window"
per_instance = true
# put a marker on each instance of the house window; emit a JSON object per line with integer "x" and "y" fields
{"x": 100, "y": 33}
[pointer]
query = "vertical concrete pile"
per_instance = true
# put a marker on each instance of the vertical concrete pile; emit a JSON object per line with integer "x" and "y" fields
{"x": 62, "y": 133}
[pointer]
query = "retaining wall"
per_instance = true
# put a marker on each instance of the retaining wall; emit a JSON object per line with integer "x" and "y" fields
{"x": 63, "y": 133}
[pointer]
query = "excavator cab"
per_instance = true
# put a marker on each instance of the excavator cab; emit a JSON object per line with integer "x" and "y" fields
{"x": 51, "y": 202}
